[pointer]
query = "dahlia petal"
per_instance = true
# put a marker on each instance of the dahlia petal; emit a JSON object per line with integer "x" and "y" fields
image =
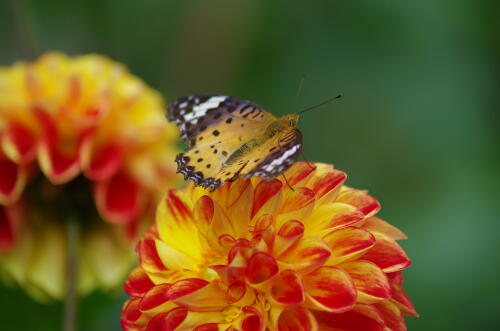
{"x": 167, "y": 321}
{"x": 119, "y": 198}
{"x": 326, "y": 183}
{"x": 368, "y": 205}
{"x": 131, "y": 311}
{"x": 207, "y": 327}
{"x": 371, "y": 283}
{"x": 289, "y": 233}
{"x": 387, "y": 254}
{"x": 297, "y": 204}
{"x": 287, "y": 288}
{"x": 295, "y": 319}
{"x": 348, "y": 243}
{"x": 59, "y": 166}
{"x": 198, "y": 295}
{"x": 148, "y": 255}
{"x": 332, "y": 216}
{"x": 329, "y": 289}
{"x": 221, "y": 225}
{"x": 19, "y": 143}
{"x": 261, "y": 268}
{"x": 155, "y": 297}
{"x": 171, "y": 258}
{"x": 238, "y": 208}
{"x": 360, "y": 318}
{"x": 101, "y": 162}
{"x": 401, "y": 299}
{"x": 267, "y": 198}
{"x": 138, "y": 283}
{"x": 12, "y": 181}
{"x": 203, "y": 214}
{"x": 391, "y": 315}
{"x": 306, "y": 255}
{"x": 252, "y": 320}
{"x": 240, "y": 294}
{"x": 375, "y": 224}
{"x": 174, "y": 219}
{"x": 299, "y": 173}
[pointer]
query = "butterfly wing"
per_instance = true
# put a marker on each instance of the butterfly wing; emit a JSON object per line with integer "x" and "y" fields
{"x": 202, "y": 118}
{"x": 222, "y": 133}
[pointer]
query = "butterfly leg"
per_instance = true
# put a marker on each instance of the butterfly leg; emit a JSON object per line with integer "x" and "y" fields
{"x": 305, "y": 159}
{"x": 287, "y": 183}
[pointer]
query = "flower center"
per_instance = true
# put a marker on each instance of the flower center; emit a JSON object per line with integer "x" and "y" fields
{"x": 59, "y": 203}
{"x": 231, "y": 313}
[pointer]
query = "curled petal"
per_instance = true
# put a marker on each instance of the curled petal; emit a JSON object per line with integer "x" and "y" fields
{"x": 155, "y": 297}
{"x": 387, "y": 254}
{"x": 348, "y": 244}
{"x": 58, "y": 166}
{"x": 371, "y": 283}
{"x": 131, "y": 312}
{"x": 391, "y": 315}
{"x": 240, "y": 294}
{"x": 167, "y": 321}
{"x": 287, "y": 288}
{"x": 330, "y": 289}
{"x": 375, "y": 224}
{"x": 101, "y": 162}
{"x": 118, "y": 198}
{"x": 252, "y": 320}
{"x": 261, "y": 268}
{"x": 138, "y": 283}
{"x": 267, "y": 198}
{"x": 296, "y": 319}
{"x": 19, "y": 143}
{"x": 198, "y": 295}
{"x": 368, "y": 205}
{"x": 207, "y": 327}
{"x": 361, "y": 317}
{"x": 12, "y": 181}
{"x": 289, "y": 233}
{"x": 306, "y": 255}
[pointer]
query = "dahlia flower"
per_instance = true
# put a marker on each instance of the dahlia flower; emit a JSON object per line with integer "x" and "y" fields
{"x": 80, "y": 138}
{"x": 256, "y": 255}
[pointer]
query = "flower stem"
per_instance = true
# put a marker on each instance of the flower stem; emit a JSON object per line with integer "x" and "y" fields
{"x": 71, "y": 303}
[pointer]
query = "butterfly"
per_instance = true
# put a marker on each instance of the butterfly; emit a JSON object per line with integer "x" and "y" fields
{"x": 230, "y": 137}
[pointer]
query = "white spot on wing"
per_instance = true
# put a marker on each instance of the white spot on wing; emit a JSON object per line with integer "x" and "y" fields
{"x": 279, "y": 160}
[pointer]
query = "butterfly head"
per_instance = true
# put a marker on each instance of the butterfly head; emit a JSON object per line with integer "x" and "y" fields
{"x": 292, "y": 120}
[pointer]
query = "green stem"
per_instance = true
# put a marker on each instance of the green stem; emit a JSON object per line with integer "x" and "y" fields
{"x": 71, "y": 303}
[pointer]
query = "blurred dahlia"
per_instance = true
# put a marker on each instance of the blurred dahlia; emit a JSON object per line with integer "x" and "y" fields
{"x": 80, "y": 138}
{"x": 257, "y": 255}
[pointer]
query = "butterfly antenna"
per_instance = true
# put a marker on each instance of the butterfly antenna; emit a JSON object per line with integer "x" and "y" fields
{"x": 287, "y": 183}
{"x": 320, "y": 104}
{"x": 299, "y": 89}
{"x": 307, "y": 161}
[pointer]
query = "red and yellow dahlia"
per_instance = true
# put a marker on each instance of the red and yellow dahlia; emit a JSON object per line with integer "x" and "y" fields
{"x": 257, "y": 255}
{"x": 80, "y": 138}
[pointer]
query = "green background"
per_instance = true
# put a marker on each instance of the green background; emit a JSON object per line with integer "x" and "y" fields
{"x": 419, "y": 123}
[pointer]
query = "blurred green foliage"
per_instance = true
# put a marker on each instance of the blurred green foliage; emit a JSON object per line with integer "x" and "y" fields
{"x": 419, "y": 124}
